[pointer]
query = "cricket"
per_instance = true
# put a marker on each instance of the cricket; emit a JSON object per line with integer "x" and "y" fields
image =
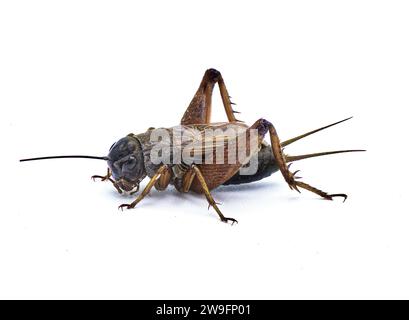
{"x": 199, "y": 156}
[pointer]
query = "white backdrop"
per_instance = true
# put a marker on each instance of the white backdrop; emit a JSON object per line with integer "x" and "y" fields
{"x": 76, "y": 76}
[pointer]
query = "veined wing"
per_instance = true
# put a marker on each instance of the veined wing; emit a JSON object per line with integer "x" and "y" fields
{"x": 196, "y": 143}
{"x": 206, "y": 143}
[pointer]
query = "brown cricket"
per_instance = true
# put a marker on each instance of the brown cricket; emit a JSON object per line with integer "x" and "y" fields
{"x": 130, "y": 159}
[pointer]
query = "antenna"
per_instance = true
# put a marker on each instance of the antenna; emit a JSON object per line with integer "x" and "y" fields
{"x": 65, "y": 157}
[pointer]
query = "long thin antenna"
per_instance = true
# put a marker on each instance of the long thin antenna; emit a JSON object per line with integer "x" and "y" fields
{"x": 65, "y": 157}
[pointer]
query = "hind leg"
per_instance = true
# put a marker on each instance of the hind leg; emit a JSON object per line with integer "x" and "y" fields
{"x": 263, "y": 126}
{"x": 200, "y": 108}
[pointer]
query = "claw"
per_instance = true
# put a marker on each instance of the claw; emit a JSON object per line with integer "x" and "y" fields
{"x": 103, "y": 178}
{"x": 125, "y": 205}
{"x": 233, "y": 221}
{"x": 343, "y": 195}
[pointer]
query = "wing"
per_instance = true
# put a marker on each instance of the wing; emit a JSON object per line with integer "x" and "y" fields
{"x": 214, "y": 143}
{"x": 208, "y": 143}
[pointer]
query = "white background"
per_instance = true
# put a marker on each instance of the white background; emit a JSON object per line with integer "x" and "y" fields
{"x": 78, "y": 75}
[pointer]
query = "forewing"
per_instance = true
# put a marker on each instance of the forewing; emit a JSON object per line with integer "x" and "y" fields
{"x": 207, "y": 143}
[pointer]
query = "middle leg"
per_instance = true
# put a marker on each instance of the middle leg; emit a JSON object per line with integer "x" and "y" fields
{"x": 209, "y": 196}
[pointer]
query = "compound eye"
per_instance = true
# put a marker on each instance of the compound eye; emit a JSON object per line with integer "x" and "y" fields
{"x": 112, "y": 146}
{"x": 131, "y": 161}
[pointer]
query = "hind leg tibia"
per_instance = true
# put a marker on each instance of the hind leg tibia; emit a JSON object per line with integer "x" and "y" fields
{"x": 263, "y": 126}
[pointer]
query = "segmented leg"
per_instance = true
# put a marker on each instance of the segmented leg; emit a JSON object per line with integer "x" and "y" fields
{"x": 107, "y": 177}
{"x": 145, "y": 191}
{"x": 209, "y": 197}
{"x": 163, "y": 181}
{"x": 188, "y": 180}
{"x": 200, "y": 108}
{"x": 263, "y": 126}
{"x": 226, "y": 100}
